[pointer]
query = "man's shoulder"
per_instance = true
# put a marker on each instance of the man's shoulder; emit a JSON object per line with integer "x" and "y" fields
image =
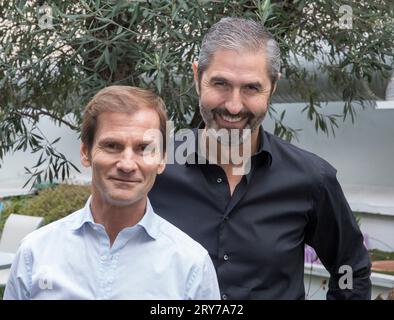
{"x": 52, "y": 230}
{"x": 291, "y": 155}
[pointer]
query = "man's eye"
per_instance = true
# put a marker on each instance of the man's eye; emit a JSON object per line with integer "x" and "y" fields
{"x": 252, "y": 88}
{"x": 143, "y": 147}
{"x": 112, "y": 146}
{"x": 220, "y": 84}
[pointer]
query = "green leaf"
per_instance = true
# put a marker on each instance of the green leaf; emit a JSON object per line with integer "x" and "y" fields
{"x": 152, "y": 43}
{"x": 107, "y": 57}
{"x": 56, "y": 140}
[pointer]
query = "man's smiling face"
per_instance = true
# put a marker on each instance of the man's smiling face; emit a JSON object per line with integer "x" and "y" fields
{"x": 124, "y": 166}
{"x": 234, "y": 90}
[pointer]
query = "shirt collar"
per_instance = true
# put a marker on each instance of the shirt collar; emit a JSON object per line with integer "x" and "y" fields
{"x": 150, "y": 222}
{"x": 263, "y": 153}
{"x": 84, "y": 216}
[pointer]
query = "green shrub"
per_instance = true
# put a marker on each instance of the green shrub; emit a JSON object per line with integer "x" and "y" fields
{"x": 51, "y": 203}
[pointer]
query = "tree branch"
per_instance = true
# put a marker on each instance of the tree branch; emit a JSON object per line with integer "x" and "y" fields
{"x": 46, "y": 113}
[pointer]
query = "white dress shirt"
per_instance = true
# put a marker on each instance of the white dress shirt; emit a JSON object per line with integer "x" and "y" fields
{"x": 72, "y": 259}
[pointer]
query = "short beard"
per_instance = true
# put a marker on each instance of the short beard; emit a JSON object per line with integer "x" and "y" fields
{"x": 230, "y": 138}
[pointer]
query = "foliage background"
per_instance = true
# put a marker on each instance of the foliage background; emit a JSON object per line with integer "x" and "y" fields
{"x": 54, "y": 56}
{"x": 50, "y": 203}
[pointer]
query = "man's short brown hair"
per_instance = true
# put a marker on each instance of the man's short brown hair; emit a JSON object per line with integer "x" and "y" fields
{"x": 123, "y": 99}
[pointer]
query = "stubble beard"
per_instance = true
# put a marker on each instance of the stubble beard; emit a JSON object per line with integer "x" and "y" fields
{"x": 226, "y": 136}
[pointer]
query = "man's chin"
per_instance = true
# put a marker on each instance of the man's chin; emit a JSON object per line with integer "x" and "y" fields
{"x": 230, "y": 136}
{"x": 119, "y": 201}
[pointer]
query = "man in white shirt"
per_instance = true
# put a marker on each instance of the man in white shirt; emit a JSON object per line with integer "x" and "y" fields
{"x": 116, "y": 247}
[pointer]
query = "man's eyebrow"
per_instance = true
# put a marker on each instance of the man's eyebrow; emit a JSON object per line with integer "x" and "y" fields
{"x": 256, "y": 84}
{"x": 147, "y": 140}
{"x": 108, "y": 139}
{"x": 218, "y": 78}
{"x": 117, "y": 140}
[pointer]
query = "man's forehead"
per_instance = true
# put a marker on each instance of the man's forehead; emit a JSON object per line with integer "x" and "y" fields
{"x": 124, "y": 126}
{"x": 132, "y": 132}
{"x": 251, "y": 66}
{"x": 235, "y": 78}
{"x": 241, "y": 55}
{"x": 140, "y": 135}
{"x": 133, "y": 139}
{"x": 139, "y": 119}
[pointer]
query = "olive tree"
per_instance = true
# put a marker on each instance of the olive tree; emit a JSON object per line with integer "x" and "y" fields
{"x": 55, "y": 55}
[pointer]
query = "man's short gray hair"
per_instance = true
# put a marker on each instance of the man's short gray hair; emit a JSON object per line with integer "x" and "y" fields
{"x": 239, "y": 34}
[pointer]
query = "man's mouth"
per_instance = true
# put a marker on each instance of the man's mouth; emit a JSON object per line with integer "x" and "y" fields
{"x": 125, "y": 180}
{"x": 230, "y": 121}
{"x": 231, "y": 118}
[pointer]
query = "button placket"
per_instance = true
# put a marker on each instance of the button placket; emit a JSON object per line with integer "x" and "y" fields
{"x": 105, "y": 267}
{"x": 112, "y": 265}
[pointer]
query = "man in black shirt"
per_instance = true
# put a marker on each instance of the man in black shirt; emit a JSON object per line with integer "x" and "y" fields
{"x": 255, "y": 223}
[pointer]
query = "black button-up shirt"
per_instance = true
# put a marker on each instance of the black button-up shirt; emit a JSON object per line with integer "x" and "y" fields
{"x": 256, "y": 236}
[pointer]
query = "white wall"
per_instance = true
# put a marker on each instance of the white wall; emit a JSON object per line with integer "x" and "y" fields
{"x": 362, "y": 152}
{"x": 12, "y": 172}
{"x": 316, "y": 274}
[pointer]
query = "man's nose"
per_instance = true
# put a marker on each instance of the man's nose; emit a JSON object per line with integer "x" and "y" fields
{"x": 127, "y": 161}
{"x": 234, "y": 103}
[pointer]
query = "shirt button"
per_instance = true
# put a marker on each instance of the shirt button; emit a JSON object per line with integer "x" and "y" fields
{"x": 225, "y": 257}
{"x": 219, "y": 180}
{"x": 224, "y": 296}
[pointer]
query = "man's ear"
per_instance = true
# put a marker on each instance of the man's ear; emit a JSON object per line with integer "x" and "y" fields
{"x": 85, "y": 155}
{"x": 276, "y": 83}
{"x": 195, "y": 72}
{"x": 162, "y": 165}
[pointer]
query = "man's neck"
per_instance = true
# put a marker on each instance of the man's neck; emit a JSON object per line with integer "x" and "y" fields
{"x": 235, "y": 170}
{"x": 218, "y": 153}
{"x": 115, "y": 218}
